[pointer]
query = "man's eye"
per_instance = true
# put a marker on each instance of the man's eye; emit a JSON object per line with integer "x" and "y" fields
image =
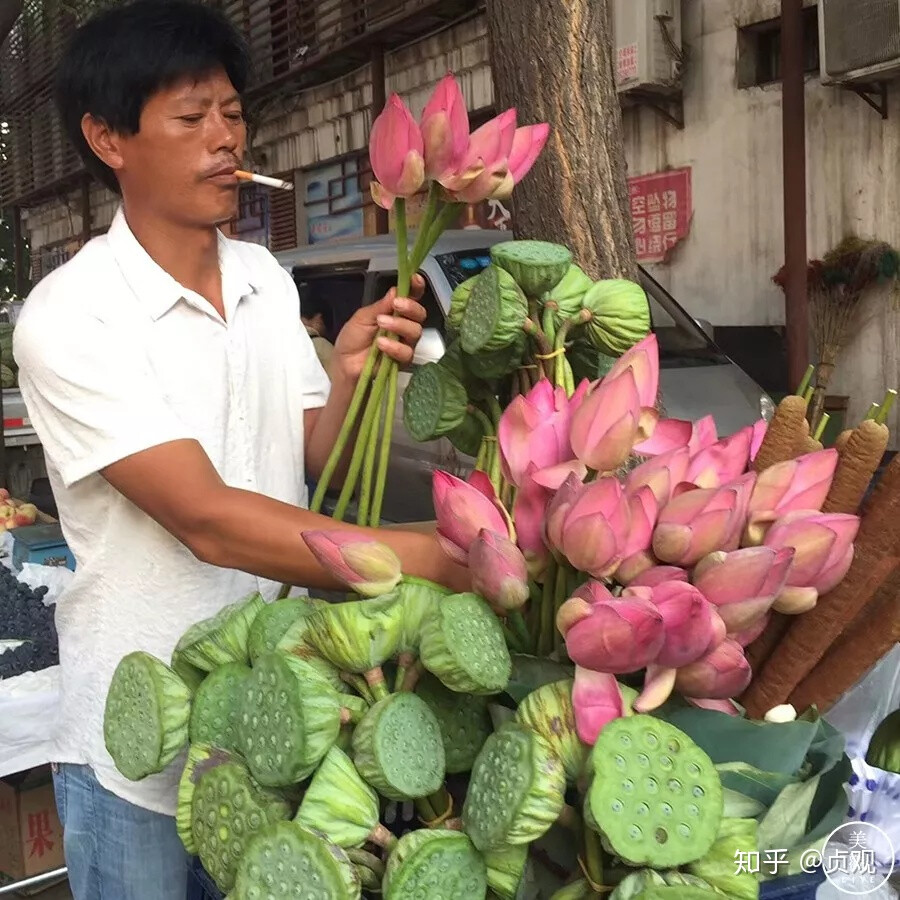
{"x": 191, "y": 120}
{"x": 235, "y": 116}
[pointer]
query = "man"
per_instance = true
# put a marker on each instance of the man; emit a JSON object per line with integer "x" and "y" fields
{"x": 312, "y": 314}
{"x": 179, "y": 402}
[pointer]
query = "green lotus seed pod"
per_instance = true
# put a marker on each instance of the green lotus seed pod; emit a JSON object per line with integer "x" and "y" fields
{"x": 467, "y": 436}
{"x": 216, "y": 709}
{"x": 495, "y": 314}
{"x": 884, "y": 748}
{"x": 228, "y": 810}
{"x": 220, "y": 639}
{"x": 434, "y": 403}
{"x": 548, "y": 711}
{"x": 459, "y": 300}
{"x": 588, "y": 362}
{"x": 677, "y": 893}
{"x": 463, "y": 644}
{"x": 397, "y": 748}
{"x": 657, "y": 798}
{"x": 717, "y": 868}
{"x": 190, "y": 675}
{"x": 506, "y": 869}
{"x": 516, "y": 789}
{"x": 489, "y": 365}
{"x": 200, "y": 759}
{"x": 568, "y": 293}
{"x": 357, "y": 636}
{"x": 145, "y": 724}
{"x": 419, "y": 599}
{"x": 273, "y": 621}
{"x": 537, "y": 266}
{"x": 288, "y": 862}
{"x": 636, "y": 884}
{"x": 290, "y": 717}
{"x": 341, "y": 805}
{"x": 621, "y": 315}
{"x": 433, "y": 864}
{"x": 464, "y": 721}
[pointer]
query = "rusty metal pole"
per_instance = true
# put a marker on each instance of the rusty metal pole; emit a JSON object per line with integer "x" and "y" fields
{"x": 379, "y": 98}
{"x": 793, "y": 110}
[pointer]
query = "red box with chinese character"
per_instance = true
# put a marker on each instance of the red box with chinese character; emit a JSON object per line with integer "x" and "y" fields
{"x": 30, "y": 834}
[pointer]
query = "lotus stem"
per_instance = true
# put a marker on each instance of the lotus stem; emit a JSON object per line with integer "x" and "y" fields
{"x": 593, "y": 859}
{"x": 807, "y": 378}
{"x": 536, "y": 333}
{"x": 513, "y": 641}
{"x": 390, "y": 406}
{"x": 443, "y": 220}
{"x": 873, "y": 411}
{"x": 886, "y": 407}
{"x": 548, "y": 320}
{"x": 368, "y": 880}
{"x": 560, "y": 595}
{"x": 381, "y": 837}
{"x": 577, "y": 890}
{"x": 375, "y": 679}
{"x": 548, "y": 609}
{"x": 412, "y": 677}
{"x": 535, "y": 599}
{"x": 350, "y": 716}
{"x": 481, "y": 459}
{"x": 362, "y": 857}
{"x": 808, "y": 393}
{"x": 365, "y": 494}
{"x": 517, "y": 625}
{"x": 429, "y": 215}
{"x": 442, "y": 803}
{"x": 358, "y": 683}
{"x": 820, "y": 428}
{"x": 404, "y": 662}
{"x": 425, "y": 810}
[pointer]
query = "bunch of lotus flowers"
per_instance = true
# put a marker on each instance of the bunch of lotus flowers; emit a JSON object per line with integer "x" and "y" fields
{"x": 671, "y": 566}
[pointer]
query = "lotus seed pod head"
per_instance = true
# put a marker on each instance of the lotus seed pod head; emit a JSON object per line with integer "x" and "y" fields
{"x": 200, "y": 758}
{"x": 657, "y": 575}
{"x": 617, "y": 636}
{"x": 720, "y": 675}
{"x": 215, "y": 708}
{"x": 221, "y": 639}
{"x": 418, "y": 598}
{"x": 272, "y": 623}
{"x": 434, "y": 863}
{"x": 715, "y": 868}
{"x": 535, "y": 265}
{"x": 366, "y": 566}
{"x": 499, "y": 572}
{"x": 620, "y": 319}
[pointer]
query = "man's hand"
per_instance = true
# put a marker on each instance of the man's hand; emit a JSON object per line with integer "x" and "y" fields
{"x": 401, "y": 316}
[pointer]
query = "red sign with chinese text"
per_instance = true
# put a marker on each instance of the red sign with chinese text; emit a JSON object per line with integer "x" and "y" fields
{"x": 660, "y": 212}
{"x": 626, "y": 62}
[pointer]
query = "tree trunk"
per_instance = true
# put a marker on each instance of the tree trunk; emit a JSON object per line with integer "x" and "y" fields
{"x": 553, "y": 61}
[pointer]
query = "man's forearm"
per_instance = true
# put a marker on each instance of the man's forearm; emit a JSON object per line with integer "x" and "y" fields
{"x": 274, "y": 548}
{"x": 321, "y": 441}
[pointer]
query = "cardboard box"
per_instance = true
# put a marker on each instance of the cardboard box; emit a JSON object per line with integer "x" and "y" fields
{"x": 31, "y": 841}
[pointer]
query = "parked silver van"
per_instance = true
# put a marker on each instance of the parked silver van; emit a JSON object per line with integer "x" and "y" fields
{"x": 696, "y": 378}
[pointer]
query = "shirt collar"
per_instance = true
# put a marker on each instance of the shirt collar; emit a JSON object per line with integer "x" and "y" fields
{"x": 158, "y": 290}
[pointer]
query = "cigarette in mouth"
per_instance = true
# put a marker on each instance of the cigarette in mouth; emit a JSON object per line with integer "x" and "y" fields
{"x": 264, "y": 179}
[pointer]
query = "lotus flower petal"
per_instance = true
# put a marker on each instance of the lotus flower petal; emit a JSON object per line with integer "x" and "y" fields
{"x": 559, "y": 508}
{"x": 759, "y": 435}
{"x": 596, "y": 528}
{"x": 396, "y": 150}
{"x": 688, "y": 622}
{"x": 528, "y": 143}
{"x": 462, "y": 511}
{"x": 669, "y": 434}
{"x": 593, "y": 592}
{"x": 659, "y": 682}
{"x": 366, "y": 566}
{"x": 530, "y": 513}
{"x": 661, "y": 474}
{"x": 723, "y": 706}
{"x": 703, "y": 434}
{"x": 820, "y": 542}
{"x": 445, "y": 128}
{"x": 597, "y": 699}
{"x": 605, "y": 425}
{"x": 657, "y": 575}
{"x": 722, "y": 462}
{"x": 499, "y": 572}
{"x": 796, "y": 484}
{"x": 720, "y": 675}
{"x": 643, "y": 361}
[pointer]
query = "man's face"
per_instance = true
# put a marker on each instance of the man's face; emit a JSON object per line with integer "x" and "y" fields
{"x": 181, "y": 162}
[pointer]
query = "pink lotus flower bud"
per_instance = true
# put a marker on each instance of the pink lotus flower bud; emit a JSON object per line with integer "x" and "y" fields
{"x": 743, "y": 584}
{"x": 703, "y": 434}
{"x": 759, "y": 435}
{"x": 723, "y": 706}
{"x": 529, "y": 514}
{"x": 598, "y": 699}
{"x": 689, "y": 621}
{"x": 488, "y": 158}
{"x": 396, "y": 152}
{"x": 720, "y": 675}
{"x": 697, "y": 522}
{"x": 796, "y": 484}
{"x": 661, "y": 435}
{"x": 462, "y": 511}
{"x": 613, "y": 636}
{"x": 636, "y": 552}
{"x": 643, "y": 361}
{"x": 721, "y": 462}
{"x": 445, "y": 129}
{"x": 743, "y": 488}
{"x": 593, "y": 592}
{"x": 368, "y": 567}
{"x": 558, "y": 508}
{"x": 662, "y": 474}
{"x": 657, "y": 575}
{"x": 596, "y": 528}
{"x": 527, "y": 145}
{"x": 606, "y": 424}
{"x": 499, "y": 572}
{"x": 823, "y": 552}
{"x": 746, "y": 637}
{"x": 659, "y": 682}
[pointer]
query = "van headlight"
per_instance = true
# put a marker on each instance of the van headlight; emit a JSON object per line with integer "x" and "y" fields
{"x": 766, "y": 407}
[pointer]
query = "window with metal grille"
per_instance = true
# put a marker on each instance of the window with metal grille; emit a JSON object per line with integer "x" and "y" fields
{"x": 282, "y": 217}
{"x": 759, "y": 50}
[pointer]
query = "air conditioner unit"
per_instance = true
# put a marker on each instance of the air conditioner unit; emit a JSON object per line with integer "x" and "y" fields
{"x": 648, "y": 45}
{"x": 859, "y": 40}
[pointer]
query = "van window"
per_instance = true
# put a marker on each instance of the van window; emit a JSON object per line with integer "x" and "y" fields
{"x": 434, "y": 318}
{"x": 336, "y": 294}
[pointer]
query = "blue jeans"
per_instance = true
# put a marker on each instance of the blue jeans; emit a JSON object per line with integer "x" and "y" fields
{"x": 114, "y": 849}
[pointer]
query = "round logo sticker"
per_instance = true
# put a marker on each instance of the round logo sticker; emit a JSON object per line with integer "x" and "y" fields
{"x": 858, "y": 858}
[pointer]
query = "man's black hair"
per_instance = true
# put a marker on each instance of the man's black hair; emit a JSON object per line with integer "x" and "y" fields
{"x": 124, "y": 55}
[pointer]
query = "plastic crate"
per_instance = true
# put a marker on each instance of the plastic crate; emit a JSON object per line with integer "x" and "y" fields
{"x": 793, "y": 887}
{"x": 200, "y": 885}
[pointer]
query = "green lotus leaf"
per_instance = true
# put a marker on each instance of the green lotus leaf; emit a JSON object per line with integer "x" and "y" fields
{"x": 464, "y": 721}
{"x": 656, "y": 797}
{"x": 220, "y": 639}
{"x": 341, "y": 805}
{"x": 290, "y": 717}
{"x": 145, "y": 723}
{"x": 272, "y": 623}
{"x": 548, "y": 711}
{"x": 308, "y": 867}
{"x": 621, "y": 315}
{"x": 398, "y": 749}
{"x": 516, "y": 791}
{"x": 495, "y": 314}
{"x": 359, "y": 635}
{"x": 433, "y": 864}
{"x": 718, "y": 868}
{"x": 537, "y": 266}
{"x": 228, "y": 810}
{"x": 216, "y": 709}
{"x": 463, "y": 644}
{"x": 434, "y": 403}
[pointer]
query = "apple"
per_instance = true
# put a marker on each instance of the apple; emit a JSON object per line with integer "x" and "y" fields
{"x": 4, "y": 494}
{"x": 7, "y": 511}
{"x": 25, "y": 515}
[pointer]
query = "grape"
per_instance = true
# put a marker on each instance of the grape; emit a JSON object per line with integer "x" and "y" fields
{"x": 25, "y": 617}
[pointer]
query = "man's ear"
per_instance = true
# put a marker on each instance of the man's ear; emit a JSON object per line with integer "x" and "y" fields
{"x": 105, "y": 143}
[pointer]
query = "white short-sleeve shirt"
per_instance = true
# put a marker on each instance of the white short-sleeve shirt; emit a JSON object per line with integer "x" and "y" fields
{"x": 115, "y": 357}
